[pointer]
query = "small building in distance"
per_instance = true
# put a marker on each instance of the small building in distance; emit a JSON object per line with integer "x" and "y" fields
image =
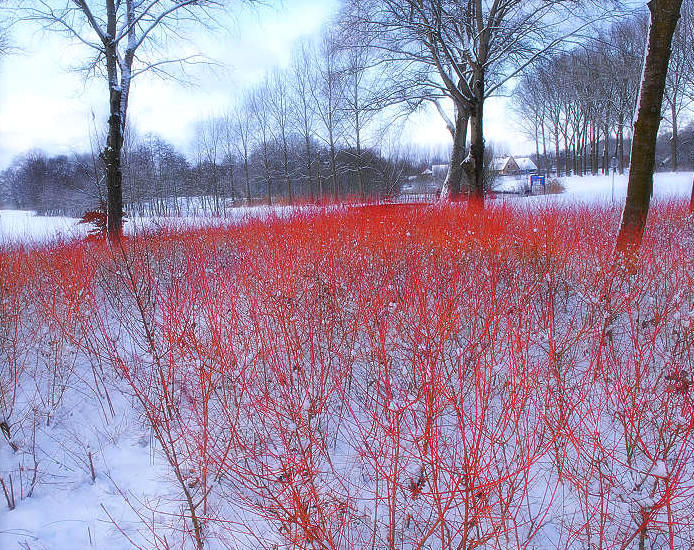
{"x": 526, "y": 166}
{"x": 428, "y": 183}
{"x": 504, "y": 166}
{"x": 515, "y": 172}
{"x": 511, "y": 166}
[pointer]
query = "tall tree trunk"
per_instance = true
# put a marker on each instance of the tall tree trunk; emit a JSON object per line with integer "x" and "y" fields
{"x": 116, "y": 123}
{"x": 453, "y": 186}
{"x": 114, "y": 172}
{"x": 248, "y": 178}
{"x": 477, "y": 139}
{"x": 114, "y": 143}
{"x": 664, "y": 17}
{"x": 673, "y": 139}
{"x": 556, "y": 150}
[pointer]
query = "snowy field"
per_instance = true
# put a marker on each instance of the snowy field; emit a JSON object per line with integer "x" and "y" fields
{"x": 667, "y": 185}
{"x": 26, "y": 227}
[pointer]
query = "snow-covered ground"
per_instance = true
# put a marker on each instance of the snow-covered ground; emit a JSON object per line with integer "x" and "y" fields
{"x": 71, "y": 512}
{"x": 599, "y": 188}
{"x": 26, "y": 226}
{"x": 667, "y": 185}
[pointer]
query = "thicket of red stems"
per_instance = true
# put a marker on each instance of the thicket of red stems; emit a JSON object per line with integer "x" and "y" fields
{"x": 386, "y": 376}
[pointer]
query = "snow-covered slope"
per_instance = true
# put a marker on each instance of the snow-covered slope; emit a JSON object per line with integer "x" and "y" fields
{"x": 599, "y": 188}
{"x": 26, "y": 226}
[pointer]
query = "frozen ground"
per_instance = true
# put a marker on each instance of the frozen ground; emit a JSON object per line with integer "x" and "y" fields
{"x": 667, "y": 185}
{"x": 25, "y": 226}
{"x": 599, "y": 188}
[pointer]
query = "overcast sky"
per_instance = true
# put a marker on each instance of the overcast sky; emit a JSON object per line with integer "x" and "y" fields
{"x": 45, "y": 104}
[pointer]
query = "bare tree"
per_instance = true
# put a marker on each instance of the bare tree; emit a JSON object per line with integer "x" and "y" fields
{"x": 367, "y": 91}
{"x": 529, "y": 107}
{"x": 552, "y": 97}
{"x": 328, "y": 95}
{"x": 259, "y": 111}
{"x": 627, "y": 42}
{"x": 664, "y": 17}
{"x": 209, "y": 148}
{"x": 280, "y": 107}
{"x": 121, "y": 34}
{"x": 675, "y": 85}
{"x": 470, "y": 49}
{"x": 240, "y": 124}
{"x": 303, "y": 77}
{"x": 585, "y": 97}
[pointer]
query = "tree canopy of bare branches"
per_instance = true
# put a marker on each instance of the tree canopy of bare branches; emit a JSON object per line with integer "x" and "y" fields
{"x": 467, "y": 51}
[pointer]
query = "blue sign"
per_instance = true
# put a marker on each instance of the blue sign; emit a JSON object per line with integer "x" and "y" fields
{"x": 537, "y": 180}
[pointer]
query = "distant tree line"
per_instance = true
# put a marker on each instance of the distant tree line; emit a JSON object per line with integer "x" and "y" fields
{"x": 578, "y": 106}
{"x": 161, "y": 181}
{"x": 51, "y": 185}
